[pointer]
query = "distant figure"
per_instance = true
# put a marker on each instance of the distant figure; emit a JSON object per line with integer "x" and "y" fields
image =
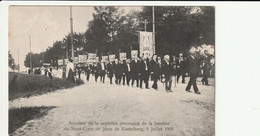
{"x": 45, "y": 71}
{"x": 50, "y": 73}
{"x": 87, "y": 72}
{"x": 13, "y": 83}
{"x": 70, "y": 67}
{"x": 206, "y": 67}
{"x": 79, "y": 72}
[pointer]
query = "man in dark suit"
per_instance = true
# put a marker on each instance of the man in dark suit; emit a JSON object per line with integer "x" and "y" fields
{"x": 102, "y": 71}
{"x": 128, "y": 71}
{"x": 117, "y": 71}
{"x": 121, "y": 72}
{"x": 180, "y": 68}
{"x": 124, "y": 70}
{"x": 135, "y": 71}
{"x": 193, "y": 71}
{"x": 167, "y": 70}
{"x": 95, "y": 70}
{"x": 144, "y": 70}
{"x": 110, "y": 71}
{"x": 206, "y": 66}
{"x": 87, "y": 71}
{"x": 155, "y": 72}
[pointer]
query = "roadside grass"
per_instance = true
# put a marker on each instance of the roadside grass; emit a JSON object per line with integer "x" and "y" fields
{"x": 19, "y": 116}
{"x": 31, "y": 85}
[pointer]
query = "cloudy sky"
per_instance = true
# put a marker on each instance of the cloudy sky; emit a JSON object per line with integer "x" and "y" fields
{"x": 45, "y": 24}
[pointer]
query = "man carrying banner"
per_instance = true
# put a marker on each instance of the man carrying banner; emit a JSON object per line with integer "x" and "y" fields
{"x": 128, "y": 72}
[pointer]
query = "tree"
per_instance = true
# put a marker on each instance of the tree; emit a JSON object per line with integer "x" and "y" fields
{"x": 179, "y": 28}
{"x": 11, "y": 63}
{"x": 35, "y": 60}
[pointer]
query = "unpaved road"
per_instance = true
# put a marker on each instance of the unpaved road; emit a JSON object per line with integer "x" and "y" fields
{"x": 184, "y": 114}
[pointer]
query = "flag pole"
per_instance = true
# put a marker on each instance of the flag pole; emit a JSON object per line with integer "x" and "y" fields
{"x": 153, "y": 32}
{"x": 71, "y": 36}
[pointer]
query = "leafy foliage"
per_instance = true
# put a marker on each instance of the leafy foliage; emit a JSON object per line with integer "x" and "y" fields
{"x": 177, "y": 29}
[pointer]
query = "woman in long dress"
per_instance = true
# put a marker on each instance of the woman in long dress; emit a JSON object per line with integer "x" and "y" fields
{"x": 70, "y": 67}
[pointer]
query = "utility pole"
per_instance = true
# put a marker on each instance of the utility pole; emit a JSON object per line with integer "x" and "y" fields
{"x": 18, "y": 62}
{"x": 42, "y": 58}
{"x": 145, "y": 23}
{"x": 153, "y": 32}
{"x": 30, "y": 52}
{"x": 71, "y": 35}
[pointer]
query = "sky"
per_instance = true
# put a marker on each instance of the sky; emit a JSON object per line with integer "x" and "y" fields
{"x": 45, "y": 25}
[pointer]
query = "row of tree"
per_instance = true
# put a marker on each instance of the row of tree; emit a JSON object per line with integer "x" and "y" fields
{"x": 177, "y": 29}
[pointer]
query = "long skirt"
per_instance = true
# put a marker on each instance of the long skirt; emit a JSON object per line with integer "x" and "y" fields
{"x": 71, "y": 76}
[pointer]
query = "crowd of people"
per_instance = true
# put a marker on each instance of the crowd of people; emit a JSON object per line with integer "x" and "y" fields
{"x": 138, "y": 71}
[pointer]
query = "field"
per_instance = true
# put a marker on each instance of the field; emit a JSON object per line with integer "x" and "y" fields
{"x": 31, "y": 85}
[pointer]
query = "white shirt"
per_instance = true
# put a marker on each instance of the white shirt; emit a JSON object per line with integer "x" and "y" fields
{"x": 128, "y": 66}
{"x": 102, "y": 66}
{"x": 70, "y": 65}
{"x": 146, "y": 68}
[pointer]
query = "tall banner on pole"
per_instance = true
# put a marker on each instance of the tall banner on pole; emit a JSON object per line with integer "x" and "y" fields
{"x": 82, "y": 58}
{"x": 112, "y": 57}
{"x": 146, "y": 44}
{"x": 122, "y": 56}
{"x": 134, "y": 54}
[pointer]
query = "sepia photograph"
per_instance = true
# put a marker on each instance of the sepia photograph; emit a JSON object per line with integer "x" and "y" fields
{"x": 111, "y": 70}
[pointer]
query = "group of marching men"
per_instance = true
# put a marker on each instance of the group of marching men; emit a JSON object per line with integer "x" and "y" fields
{"x": 139, "y": 71}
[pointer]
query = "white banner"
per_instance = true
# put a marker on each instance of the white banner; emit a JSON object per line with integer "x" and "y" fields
{"x": 146, "y": 44}
{"x": 104, "y": 58}
{"x": 92, "y": 57}
{"x": 76, "y": 59}
{"x": 60, "y": 62}
{"x": 122, "y": 56}
{"x": 97, "y": 59}
{"x": 134, "y": 54}
{"x": 112, "y": 57}
{"x": 82, "y": 58}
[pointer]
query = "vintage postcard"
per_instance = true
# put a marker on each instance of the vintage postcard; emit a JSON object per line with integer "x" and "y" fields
{"x": 111, "y": 70}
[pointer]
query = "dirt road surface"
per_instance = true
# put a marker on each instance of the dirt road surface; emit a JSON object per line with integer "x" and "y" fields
{"x": 97, "y": 109}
